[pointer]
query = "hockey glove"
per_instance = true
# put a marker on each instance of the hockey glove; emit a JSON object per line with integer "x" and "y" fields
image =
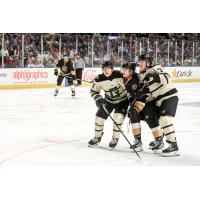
{"x": 99, "y": 100}
{"x": 152, "y": 78}
{"x": 138, "y": 105}
{"x": 56, "y": 72}
{"x": 142, "y": 92}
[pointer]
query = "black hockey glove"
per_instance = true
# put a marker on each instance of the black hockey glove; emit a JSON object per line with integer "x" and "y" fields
{"x": 142, "y": 92}
{"x": 152, "y": 78}
{"x": 99, "y": 100}
{"x": 56, "y": 72}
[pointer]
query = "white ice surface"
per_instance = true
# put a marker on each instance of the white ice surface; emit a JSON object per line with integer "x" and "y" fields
{"x": 37, "y": 129}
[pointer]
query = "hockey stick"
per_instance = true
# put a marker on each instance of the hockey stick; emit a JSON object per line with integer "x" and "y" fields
{"x": 120, "y": 131}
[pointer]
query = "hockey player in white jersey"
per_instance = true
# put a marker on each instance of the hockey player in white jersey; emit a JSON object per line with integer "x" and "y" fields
{"x": 161, "y": 91}
{"x": 111, "y": 82}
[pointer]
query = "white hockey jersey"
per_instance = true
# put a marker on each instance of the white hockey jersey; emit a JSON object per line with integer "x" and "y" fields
{"x": 113, "y": 87}
{"x": 159, "y": 91}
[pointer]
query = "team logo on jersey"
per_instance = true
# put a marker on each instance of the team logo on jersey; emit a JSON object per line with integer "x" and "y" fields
{"x": 134, "y": 86}
{"x": 163, "y": 111}
{"x": 116, "y": 91}
{"x": 64, "y": 69}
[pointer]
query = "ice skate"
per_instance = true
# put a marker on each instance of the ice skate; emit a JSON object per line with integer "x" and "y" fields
{"x": 172, "y": 150}
{"x": 137, "y": 145}
{"x": 113, "y": 142}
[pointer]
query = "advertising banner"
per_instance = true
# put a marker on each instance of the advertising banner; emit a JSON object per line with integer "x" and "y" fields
{"x": 44, "y": 77}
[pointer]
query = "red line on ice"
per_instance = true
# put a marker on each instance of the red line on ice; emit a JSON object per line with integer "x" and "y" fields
{"x": 33, "y": 149}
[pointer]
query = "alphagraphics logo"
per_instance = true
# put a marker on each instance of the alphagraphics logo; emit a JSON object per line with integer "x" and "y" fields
{"x": 27, "y": 75}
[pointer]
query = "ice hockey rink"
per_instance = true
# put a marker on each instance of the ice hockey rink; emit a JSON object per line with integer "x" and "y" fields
{"x": 38, "y": 129}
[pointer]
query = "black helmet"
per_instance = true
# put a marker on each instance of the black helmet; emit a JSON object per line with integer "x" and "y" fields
{"x": 146, "y": 57}
{"x": 107, "y": 64}
{"x": 129, "y": 65}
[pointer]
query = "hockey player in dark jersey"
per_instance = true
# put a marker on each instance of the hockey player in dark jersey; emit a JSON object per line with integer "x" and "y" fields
{"x": 163, "y": 96}
{"x": 112, "y": 83}
{"x": 138, "y": 107}
{"x": 65, "y": 68}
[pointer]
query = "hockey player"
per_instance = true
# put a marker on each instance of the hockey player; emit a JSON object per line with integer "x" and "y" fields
{"x": 65, "y": 68}
{"x": 112, "y": 83}
{"x": 137, "y": 109}
{"x": 163, "y": 96}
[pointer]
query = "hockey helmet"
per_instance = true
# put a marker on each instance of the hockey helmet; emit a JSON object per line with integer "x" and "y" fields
{"x": 107, "y": 64}
{"x": 129, "y": 65}
{"x": 146, "y": 57}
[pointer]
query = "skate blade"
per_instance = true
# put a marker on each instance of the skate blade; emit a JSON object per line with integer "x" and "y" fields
{"x": 137, "y": 149}
{"x": 161, "y": 147}
{"x": 157, "y": 151}
{"x": 112, "y": 148}
{"x": 94, "y": 145}
{"x": 171, "y": 154}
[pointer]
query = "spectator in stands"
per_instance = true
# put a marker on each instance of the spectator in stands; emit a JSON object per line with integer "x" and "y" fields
{"x": 73, "y": 53}
{"x": 4, "y": 52}
{"x": 32, "y": 42}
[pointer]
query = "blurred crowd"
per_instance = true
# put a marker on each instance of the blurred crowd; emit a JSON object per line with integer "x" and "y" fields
{"x": 44, "y": 50}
